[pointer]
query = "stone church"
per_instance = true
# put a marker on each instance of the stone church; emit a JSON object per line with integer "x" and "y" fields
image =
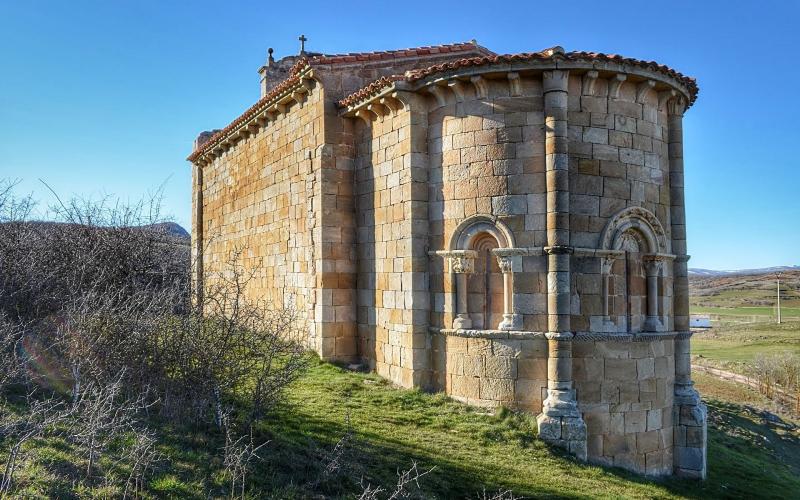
{"x": 507, "y": 229}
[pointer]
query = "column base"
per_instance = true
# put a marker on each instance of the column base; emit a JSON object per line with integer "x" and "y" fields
{"x": 653, "y": 324}
{"x": 691, "y": 433}
{"x": 511, "y": 322}
{"x": 462, "y": 322}
{"x": 561, "y": 424}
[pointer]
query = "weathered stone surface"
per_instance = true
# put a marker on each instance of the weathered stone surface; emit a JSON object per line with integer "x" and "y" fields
{"x": 441, "y": 235}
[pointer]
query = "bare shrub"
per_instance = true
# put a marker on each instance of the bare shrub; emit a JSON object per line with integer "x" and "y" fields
{"x": 141, "y": 457}
{"x": 778, "y": 377}
{"x": 239, "y": 455}
{"x": 101, "y": 415}
{"x": 406, "y": 481}
{"x": 42, "y": 416}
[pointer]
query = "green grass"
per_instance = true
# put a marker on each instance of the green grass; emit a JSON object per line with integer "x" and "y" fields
{"x": 470, "y": 448}
{"x": 745, "y": 311}
{"x": 733, "y": 345}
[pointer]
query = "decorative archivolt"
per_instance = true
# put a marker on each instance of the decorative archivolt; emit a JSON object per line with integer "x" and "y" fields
{"x": 475, "y": 225}
{"x": 638, "y": 219}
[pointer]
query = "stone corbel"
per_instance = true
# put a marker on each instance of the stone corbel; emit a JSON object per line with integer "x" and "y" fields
{"x": 589, "y": 82}
{"x": 481, "y": 87}
{"x": 391, "y": 103}
{"x": 378, "y": 109}
{"x": 614, "y": 85}
{"x": 365, "y": 115}
{"x": 642, "y": 89}
{"x": 459, "y": 88}
{"x": 514, "y": 84}
{"x": 299, "y": 97}
{"x": 438, "y": 93}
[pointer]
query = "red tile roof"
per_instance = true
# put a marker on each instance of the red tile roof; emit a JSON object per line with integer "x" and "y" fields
{"x": 304, "y": 62}
{"x": 545, "y": 55}
{"x": 357, "y": 57}
{"x": 292, "y": 80}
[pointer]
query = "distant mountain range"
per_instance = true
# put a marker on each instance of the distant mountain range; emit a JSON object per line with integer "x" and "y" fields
{"x": 171, "y": 228}
{"x": 694, "y": 271}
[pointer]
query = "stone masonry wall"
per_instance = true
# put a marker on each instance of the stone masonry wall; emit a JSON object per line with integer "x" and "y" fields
{"x": 393, "y": 301}
{"x": 625, "y": 392}
{"x": 505, "y": 370}
{"x": 258, "y": 200}
{"x": 618, "y": 158}
{"x": 487, "y": 157}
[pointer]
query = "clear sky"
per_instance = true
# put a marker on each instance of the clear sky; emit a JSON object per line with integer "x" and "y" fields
{"x": 106, "y": 97}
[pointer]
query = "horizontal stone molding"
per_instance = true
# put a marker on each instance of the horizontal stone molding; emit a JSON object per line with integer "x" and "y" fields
{"x": 624, "y": 337}
{"x": 487, "y": 334}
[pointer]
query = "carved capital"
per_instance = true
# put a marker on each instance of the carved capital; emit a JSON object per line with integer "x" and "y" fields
{"x": 555, "y": 81}
{"x": 676, "y": 106}
{"x": 653, "y": 264}
{"x": 462, "y": 262}
{"x": 506, "y": 263}
{"x": 606, "y": 263}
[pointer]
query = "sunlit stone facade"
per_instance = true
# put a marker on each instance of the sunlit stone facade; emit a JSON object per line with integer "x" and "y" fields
{"x": 507, "y": 229}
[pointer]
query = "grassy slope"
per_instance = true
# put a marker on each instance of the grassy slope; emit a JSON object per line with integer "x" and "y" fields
{"x": 731, "y": 345}
{"x": 469, "y": 448}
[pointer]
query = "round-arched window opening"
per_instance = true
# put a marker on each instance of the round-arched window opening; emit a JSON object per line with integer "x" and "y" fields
{"x": 485, "y": 287}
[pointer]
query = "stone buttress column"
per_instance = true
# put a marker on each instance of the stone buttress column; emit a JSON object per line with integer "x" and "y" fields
{"x": 560, "y": 422}
{"x": 689, "y": 412}
{"x": 197, "y": 233}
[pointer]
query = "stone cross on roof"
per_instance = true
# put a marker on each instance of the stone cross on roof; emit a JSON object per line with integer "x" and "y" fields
{"x": 303, "y": 41}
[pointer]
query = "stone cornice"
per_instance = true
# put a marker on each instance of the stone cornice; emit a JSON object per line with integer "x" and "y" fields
{"x": 669, "y": 84}
{"x": 295, "y": 89}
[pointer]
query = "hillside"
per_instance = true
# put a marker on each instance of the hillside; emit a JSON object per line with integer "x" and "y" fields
{"x": 746, "y": 294}
{"x": 470, "y": 449}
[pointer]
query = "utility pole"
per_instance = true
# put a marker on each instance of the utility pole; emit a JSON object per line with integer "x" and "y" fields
{"x": 778, "y": 276}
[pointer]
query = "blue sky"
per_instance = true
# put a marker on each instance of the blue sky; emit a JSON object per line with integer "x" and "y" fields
{"x": 106, "y": 97}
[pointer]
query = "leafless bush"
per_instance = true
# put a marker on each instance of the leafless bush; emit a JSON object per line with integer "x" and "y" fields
{"x": 406, "y": 480}
{"x": 100, "y": 298}
{"x": 101, "y": 415}
{"x": 239, "y": 455}
{"x": 141, "y": 457}
{"x": 498, "y": 495}
{"x": 778, "y": 377}
{"x": 41, "y": 416}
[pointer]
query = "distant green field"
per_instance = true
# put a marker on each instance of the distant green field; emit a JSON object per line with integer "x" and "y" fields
{"x": 786, "y": 312}
{"x": 729, "y": 343}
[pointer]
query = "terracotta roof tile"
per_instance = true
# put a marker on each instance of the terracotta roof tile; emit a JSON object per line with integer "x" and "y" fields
{"x": 547, "y": 54}
{"x": 290, "y": 81}
{"x": 394, "y": 54}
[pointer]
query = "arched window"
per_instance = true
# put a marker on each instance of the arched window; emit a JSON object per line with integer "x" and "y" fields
{"x": 636, "y": 238}
{"x": 485, "y": 294}
{"x": 483, "y": 268}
